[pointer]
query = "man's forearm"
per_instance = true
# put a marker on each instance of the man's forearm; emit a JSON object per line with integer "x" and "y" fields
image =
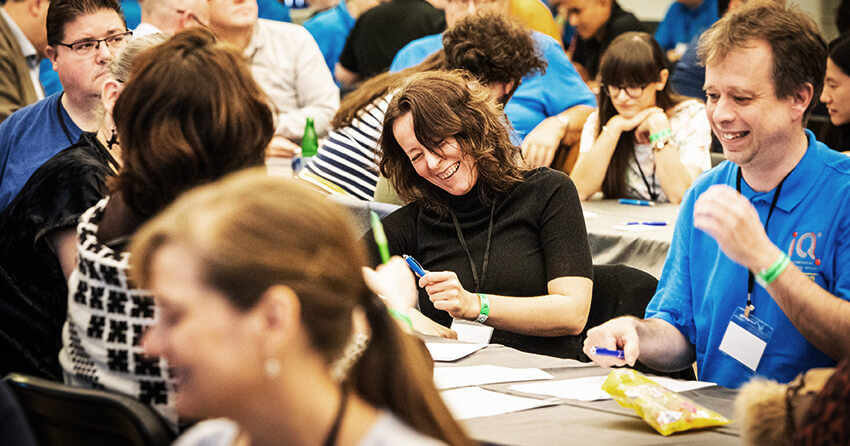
{"x": 663, "y": 346}
{"x": 822, "y": 318}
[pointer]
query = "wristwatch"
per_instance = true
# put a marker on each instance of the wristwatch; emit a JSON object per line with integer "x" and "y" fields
{"x": 661, "y": 143}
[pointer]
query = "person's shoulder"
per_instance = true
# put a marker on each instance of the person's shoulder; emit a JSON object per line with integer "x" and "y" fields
{"x": 24, "y": 115}
{"x": 546, "y": 178}
{"x": 837, "y": 162}
{"x": 215, "y": 432}
{"x": 389, "y": 429}
{"x": 545, "y": 42}
{"x": 624, "y": 21}
{"x": 689, "y": 108}
{"x": 276, "y": 27}
{"x": 719, "y": 174}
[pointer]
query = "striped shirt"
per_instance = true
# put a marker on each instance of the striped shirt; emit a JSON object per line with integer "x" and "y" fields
{"x": 347, "y": 161}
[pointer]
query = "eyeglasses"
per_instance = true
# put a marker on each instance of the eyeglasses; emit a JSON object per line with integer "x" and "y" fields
{"x": 90, "y": 46}
{"x": 632, "y": 92}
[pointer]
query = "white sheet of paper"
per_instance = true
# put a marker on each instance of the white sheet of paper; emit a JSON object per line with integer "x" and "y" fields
{"x": 474, "y": 402}
{"x": 589, "y": 214}
{"x": 742, "y": 345}
{"x": 451, "y": 377}
{"x": 590, "y": 388}
{"x": 468, "y": 331}
{"x": 450, "y": 351}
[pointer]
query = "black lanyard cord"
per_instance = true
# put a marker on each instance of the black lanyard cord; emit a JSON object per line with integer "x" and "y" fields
{"x": 477, "y": 282}
{"x": 750, "y": 276}
{"x": 62, "y": 119}
{"x": 653, "y": 194}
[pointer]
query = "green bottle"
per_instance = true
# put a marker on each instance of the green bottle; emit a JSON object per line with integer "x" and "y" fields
{"x": 309, "y": 142}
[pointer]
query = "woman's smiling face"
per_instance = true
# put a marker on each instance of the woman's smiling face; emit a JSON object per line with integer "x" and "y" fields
{"x": 447, "y": 168}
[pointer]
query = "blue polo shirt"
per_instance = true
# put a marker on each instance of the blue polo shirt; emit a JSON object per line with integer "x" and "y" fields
{"x": 537, "y": 98}
{"x": 28, "y": 138}
{"x": 681, "y": 23}
{"x": 700, "y": 287}
{"x": 330, "y": 29}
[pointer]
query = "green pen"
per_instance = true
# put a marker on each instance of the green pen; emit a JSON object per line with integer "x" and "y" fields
{"x": 380, "y": 236}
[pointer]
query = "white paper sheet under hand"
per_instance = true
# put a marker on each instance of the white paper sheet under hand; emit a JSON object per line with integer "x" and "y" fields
{"x": 450, "y": 377}
{"x": 636, "y": 228}
{"x": 474, "y": 402}
{"x": 450, "y": 351}
{"x": 590, "y": 388}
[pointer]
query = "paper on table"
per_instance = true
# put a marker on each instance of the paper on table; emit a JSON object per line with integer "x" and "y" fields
{"x": 590, "y": 388}
{"x": 449, "y": 377}
{"x": 589, "y": 214}
{"x": 474, "y": 402}
{"x": 451, "y": 351}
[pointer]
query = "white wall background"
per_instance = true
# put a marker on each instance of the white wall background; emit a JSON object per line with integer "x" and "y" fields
{"x": 822, "y": 10}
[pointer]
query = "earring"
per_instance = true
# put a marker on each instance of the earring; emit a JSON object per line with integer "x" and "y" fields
{"x": 113, "y": 139}
{"x": 272, "y": 367}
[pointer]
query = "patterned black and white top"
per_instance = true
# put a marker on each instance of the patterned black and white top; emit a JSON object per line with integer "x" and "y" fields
{"x": 107, "y": 316}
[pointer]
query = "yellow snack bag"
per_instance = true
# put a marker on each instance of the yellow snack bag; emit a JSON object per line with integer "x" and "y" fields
{"x": 664, "y": 409}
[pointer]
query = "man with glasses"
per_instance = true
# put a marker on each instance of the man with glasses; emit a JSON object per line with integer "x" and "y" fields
{"x": 171, "y": 16}
{"x": 82, "y": 38}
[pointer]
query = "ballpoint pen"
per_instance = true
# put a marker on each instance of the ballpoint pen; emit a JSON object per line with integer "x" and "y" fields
{"x": 599, "y": 351}
{"x": 634, "y": 202}
{"x": 380, "y": 236}
{"x": 414, "y": 265}
{"x": 647, "y": 223}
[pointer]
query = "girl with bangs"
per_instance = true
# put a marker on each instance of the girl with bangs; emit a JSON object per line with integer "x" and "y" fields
{"x": 643, "y": 141}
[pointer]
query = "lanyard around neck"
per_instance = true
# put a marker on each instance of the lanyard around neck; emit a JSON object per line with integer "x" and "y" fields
{"x": 653, "y": 194}
{"x": 751, "y": 278}
{"x": 474, "y": 268}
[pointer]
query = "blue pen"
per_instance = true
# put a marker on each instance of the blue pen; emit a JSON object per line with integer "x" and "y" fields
{"x": 599, "y": 351}
{"x": 414, "y": 265}
{"x": 634, "y": 202}
{"x": 647, "y": 223}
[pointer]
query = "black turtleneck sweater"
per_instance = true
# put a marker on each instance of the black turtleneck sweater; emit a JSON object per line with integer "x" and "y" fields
{"x": 538, "y": 235}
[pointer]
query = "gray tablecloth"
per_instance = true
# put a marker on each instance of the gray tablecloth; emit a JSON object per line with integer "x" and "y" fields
{"x": 583, "y": 423}
{"x": 645, "y": 249}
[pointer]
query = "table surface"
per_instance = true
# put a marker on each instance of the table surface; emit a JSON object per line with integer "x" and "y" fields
{"x": 645, "y": 249}
{"x": 577, "y": 422}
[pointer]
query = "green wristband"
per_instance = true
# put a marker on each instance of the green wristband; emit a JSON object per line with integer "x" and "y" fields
{"x": 666, "y": 133}
{"x": 766, "y": 276}
{"x": 485, "y": 309}
{"x": 401, "y": 316}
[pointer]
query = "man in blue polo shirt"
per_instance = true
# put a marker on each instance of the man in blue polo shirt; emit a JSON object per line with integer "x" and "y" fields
{"x": 756, "y": 282}
{"x": 546, "y": 110}
{"x": 82, "y": 38}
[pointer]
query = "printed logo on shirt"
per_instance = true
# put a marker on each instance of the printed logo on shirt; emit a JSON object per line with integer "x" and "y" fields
{"x": 803, "y": 251}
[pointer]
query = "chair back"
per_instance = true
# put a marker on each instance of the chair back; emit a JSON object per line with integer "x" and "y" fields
{"x": 68, "y": 416}
{"x": 620, "y": 290}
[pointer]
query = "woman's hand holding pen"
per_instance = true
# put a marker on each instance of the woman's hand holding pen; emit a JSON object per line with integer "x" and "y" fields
{"x": 446, "y": 292}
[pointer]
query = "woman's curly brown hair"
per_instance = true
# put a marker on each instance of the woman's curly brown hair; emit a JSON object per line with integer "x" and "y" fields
{"x": 449, "y": 104}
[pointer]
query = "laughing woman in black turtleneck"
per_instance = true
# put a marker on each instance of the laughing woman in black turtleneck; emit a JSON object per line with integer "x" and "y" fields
{"x": 502, "y": 244}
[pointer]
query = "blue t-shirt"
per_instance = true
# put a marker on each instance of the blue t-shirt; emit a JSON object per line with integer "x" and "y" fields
{"x": 537, "y": 98}
{"x": 28, "y": 138}
{"x": 330, "y": 29}
{"x": 132, "y": 13}
{"x": 273, "y": 10}
{"x": 701, "y": 287}
{"x": 681, "y": 23}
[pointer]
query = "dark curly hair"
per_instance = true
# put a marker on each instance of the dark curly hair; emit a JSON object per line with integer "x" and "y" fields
{"x": 492, "y": 47}
{"x": 449, "y": 104}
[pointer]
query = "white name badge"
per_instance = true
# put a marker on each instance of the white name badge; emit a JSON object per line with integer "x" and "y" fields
{"x": 746, "y": 338}
{"x": 468, "y": 331}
